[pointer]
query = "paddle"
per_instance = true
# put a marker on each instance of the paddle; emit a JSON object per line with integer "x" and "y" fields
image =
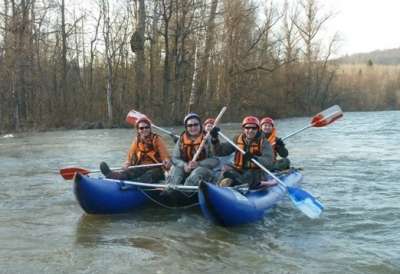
{"x": 321, "y": 119}
{"x": 157, "y": 186}
{"x": 133, "y": 116}
{"x": 196, "y": 155}
{"x": 303, "y": 200}
{"x": 69, "y": 172}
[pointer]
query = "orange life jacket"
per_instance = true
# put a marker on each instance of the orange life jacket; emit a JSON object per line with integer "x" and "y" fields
{"x": 255, "y": 148}
{"x": 146, "y": 152}
{"x": 189, "y": 147}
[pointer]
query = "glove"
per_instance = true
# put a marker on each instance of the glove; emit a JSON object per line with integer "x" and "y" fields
{"x": 214, "y": 132}
{"x": 247, "y": 156}
{"x": 214, "y": 141}
{"x": 175, "y": 138}
{"x": 279, "y": 142}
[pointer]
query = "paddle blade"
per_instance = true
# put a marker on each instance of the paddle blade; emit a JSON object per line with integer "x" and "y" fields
{"x": 304, "y": 201}
{"x": 327, "y": 116}
{"x": 133, "y": 116}
{"x": 69, "y": 172}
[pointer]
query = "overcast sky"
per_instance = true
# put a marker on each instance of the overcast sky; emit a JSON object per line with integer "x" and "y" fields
{"x": 365, "y": 25}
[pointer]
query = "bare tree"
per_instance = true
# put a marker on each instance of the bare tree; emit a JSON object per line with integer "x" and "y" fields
{"x": 20, "y": 36}
{"x": 137, "y": 46}
{"x": 291, "y": 49}
{"x": 315, "y": 72}
{"x": 115, "y": 33}
{"x": 239, "y": 54}
{"x": 166, "y": 15}
{"x": 63, "y": 85}
{"x": 200, "y": 74}
{"x": 109, "y": 58}
{"x": 92, "y": 51}
{"x": 155, "y": 57}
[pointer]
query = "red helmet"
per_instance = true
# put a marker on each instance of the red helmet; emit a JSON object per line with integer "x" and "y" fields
{"x": 143, "y": 120}
{"x": 250, "y": 120}
{"x": 209, "y": 121}
{"x": 267, "y": 120}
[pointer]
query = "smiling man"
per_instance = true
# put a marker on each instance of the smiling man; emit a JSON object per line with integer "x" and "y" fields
{"x": 253, "y": 142}
{"x": 186, "y": 171}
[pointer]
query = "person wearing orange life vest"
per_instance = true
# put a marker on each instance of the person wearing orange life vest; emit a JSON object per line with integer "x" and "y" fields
{"x": 223, "y": 160}
{"x": 185, "y": 170}
{"x": 252, "y": 141}
{"x": 208, "y": 124}
{"x": 278, "y": 146}
{"x": 146, "y": 148}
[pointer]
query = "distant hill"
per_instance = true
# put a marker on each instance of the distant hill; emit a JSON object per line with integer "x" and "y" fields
{"x": 383, "y": 57}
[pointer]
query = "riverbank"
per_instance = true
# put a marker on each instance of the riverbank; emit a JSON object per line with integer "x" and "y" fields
{"x": 76, "y": 126}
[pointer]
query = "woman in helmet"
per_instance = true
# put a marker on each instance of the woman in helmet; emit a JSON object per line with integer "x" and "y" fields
{"x": 223, "y": 160}
{"x": 208, "y": 124}
{"x": 146, "y": 148}
{"x": 278, "y": 146}
{"x": 252, "y": 141}
{"x": 185, "y": 170}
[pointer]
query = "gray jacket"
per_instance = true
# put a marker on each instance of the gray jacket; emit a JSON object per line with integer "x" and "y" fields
{"x": 209, "y": 162}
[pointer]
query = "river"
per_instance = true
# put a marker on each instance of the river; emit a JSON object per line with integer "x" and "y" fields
{"x": 352, "y": 166}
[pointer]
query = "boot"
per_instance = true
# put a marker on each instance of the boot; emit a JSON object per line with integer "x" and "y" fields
{"x": 105, "y": 169}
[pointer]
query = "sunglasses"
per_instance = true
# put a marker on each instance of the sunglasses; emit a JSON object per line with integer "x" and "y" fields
{"x": 192, "y": 125}
{"x": 141, "y": 128}
{"x": 251, "y": 128}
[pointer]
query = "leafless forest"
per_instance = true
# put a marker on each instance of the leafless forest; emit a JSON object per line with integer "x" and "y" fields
{"x": 65, "y": 65}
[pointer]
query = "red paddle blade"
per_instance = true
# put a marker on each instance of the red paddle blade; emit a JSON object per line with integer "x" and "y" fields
{"x": 327, "y": 116}
{"x": 133, "y": 116}
{"x": 69, "y": 172}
